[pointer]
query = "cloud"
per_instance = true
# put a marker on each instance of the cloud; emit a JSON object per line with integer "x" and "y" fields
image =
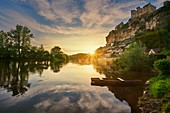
{"x": 104, "y": 12}
{"x": 52, "y": 10}
{"x": 13, "y": 18}
{"x": 95, "y": 15}
{"x": 159, "y": 2}
{"x": 91, "y": 13}
{"x": 49, "y": 36}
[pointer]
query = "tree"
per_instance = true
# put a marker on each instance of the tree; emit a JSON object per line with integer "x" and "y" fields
{"x": 21, "y": 37}
{"x": 57, "y": 54}
{"x": 155, "y": 39}
{"x": 17, "y": 44}
{"x": 3, "y": 39}
{"x": 134, "y": 59}
{"x": 55, "y": 50}
{"x": 5, "y": 45}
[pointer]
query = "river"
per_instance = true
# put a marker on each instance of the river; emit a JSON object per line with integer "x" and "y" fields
{"x": 62, "y": 88}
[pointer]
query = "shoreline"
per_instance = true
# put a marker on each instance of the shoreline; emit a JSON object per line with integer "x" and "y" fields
{"x": 148, "y": 104}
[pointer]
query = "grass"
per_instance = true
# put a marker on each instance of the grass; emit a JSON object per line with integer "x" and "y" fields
{"x": 159, "y": 86}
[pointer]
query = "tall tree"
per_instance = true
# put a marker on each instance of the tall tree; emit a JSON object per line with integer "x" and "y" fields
{"x": 3, "y": 39}
{"x": 21, "y": 37}
{"x": 5, "y": 44}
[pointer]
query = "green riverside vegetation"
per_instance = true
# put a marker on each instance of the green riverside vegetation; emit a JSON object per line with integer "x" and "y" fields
{"x": 155, "y": 39}
{"x": 133, "y": 59}
{"x": 16, "y": 44}
{"x": 160, "y": 85}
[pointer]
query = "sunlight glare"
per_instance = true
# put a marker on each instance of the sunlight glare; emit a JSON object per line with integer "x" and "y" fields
{"x": 92, "y": 52}
{"x": 89, "y": 68}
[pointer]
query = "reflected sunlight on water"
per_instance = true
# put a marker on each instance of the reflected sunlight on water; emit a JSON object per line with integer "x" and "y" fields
{"x": 71, "y": 73}
{"x": 89, "y": 68}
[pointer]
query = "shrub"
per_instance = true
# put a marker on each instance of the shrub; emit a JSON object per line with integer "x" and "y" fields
{"x": 158, "y": 89}
{"x": 134, "y": 59}
{"x": 163, "y": 67}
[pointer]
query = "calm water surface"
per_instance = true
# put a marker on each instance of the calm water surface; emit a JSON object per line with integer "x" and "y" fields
{"x": 27, "y": 88}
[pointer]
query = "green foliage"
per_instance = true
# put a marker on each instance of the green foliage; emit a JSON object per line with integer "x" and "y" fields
{"x": 16, "y": 44}
{"x": 134, "y": 59}
{"x": 166, "y": 108}
{"x": 21, "y": 37}
{"x": 155, "y": 39}
{"x": 163, "y": 67}
{"x": 158, "y": 88}
{"x": 58, "y": 55}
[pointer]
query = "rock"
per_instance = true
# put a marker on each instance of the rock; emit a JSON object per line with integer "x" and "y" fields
{"x": 145, "y": 92}
{"x": 147, "y": 82}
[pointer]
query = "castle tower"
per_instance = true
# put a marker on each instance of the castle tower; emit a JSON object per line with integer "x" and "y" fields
{"x": 147, "y": 9}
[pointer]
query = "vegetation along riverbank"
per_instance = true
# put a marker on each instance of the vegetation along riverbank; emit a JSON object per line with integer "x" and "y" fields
{"x": 142, "y": 45}
{"x": 16, "y": 45}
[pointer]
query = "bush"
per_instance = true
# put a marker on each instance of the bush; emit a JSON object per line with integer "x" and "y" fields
{"x": 163, "y": 67}
{"x": 160, "y": 85}
{"x": 134, "y": 59}
{"x": 158, "y": 89}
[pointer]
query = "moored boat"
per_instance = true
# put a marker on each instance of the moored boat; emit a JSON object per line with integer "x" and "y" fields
{"x": 114, "y": 82}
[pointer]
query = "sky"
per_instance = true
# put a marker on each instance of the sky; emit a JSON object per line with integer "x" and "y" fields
{"x": 77, "y": 26}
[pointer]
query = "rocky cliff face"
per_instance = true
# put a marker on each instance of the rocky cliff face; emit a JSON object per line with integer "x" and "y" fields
{"x": 118, "y": 39}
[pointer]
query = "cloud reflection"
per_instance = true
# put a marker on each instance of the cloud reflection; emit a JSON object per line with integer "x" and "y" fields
{"x": 79, "y": 99}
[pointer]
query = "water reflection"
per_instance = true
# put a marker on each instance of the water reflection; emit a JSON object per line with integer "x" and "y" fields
{"x": 43, "y": 87}
{"x": 14, "y": 75}
{"x": 72, "y": 99}
{"x": 67, "y": 90}
{"x": 129, "y": 94}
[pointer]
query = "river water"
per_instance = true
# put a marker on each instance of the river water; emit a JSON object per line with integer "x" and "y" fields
{"x": 61, "y": 88}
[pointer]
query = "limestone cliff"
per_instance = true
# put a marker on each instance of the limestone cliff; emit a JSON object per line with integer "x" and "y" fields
{"x": 118, "y": 39}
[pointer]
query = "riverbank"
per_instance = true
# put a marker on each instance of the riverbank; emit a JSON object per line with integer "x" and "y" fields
{"x": 149, "y": 104}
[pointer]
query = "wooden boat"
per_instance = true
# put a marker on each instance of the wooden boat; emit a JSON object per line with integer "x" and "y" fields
{"x": 114, "y": 82}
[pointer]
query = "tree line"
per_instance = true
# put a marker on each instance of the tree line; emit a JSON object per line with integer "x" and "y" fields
{"x": 16, "y": 44}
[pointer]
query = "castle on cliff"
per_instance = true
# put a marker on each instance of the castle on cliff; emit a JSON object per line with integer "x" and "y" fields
{"x": 147, "y": 9}
{"x": 142, "y": 19}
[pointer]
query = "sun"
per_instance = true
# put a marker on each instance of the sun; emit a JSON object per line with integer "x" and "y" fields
{"x": 91, "y": 51}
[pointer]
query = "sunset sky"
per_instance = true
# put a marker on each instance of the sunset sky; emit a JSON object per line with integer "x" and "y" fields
{"x": 74, "y": 25}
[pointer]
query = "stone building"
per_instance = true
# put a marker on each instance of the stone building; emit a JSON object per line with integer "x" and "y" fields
{"x": 147, "y": 9}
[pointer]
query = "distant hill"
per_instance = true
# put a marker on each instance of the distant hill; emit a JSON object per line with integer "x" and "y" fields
{"x": 81, "y": 58}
